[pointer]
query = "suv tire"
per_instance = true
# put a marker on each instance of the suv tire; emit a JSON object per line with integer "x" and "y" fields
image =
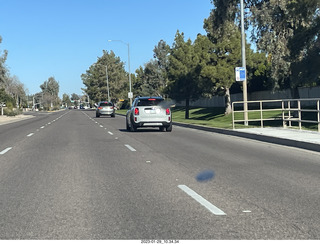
{"x": 169, "y": 128}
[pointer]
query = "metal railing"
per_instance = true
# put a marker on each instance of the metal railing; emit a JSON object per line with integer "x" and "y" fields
{"x": 290, "y": 110}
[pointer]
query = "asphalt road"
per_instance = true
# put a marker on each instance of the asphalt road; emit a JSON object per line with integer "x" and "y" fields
{"x": 69, "y": 175}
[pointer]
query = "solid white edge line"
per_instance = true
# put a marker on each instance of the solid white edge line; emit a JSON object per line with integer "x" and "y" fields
{"x": 213, "y": 209}
{"x": 130, "y": 148}
{"x": 5, "y": 150}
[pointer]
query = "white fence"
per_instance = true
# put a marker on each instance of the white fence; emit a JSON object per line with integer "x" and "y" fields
{"x": 291, "y": 110}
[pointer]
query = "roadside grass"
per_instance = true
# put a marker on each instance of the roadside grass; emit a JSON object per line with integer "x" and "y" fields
{"x": 215, "y": 117}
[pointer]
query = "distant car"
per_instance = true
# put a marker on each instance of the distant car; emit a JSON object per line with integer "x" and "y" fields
{"x": 149, "y": 112}
{"x": 105, "y": 108}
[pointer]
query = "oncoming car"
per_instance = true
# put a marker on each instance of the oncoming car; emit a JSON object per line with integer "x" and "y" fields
{"x": 105, "y": 108}
{"x": 149, "y": 112}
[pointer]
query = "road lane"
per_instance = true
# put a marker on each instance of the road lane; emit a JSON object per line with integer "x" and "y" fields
{"x": 15, "y": 133}
{"x": 81, "y": 183}
{"x": 75, "y": 180}
{"x": 278, "y": 186}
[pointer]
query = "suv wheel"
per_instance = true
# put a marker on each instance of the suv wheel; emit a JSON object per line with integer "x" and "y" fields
{"x": 127, "y": 126}
{"x": 169, "y": 128}
{"x": 133, "y": 128}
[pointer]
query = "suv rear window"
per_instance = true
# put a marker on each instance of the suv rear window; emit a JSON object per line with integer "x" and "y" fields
{"x": 105, "y": 104}
{"x": 149, "y": 102}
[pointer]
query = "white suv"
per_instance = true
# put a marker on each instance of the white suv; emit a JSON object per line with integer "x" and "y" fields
{"x": 149, "y": 112}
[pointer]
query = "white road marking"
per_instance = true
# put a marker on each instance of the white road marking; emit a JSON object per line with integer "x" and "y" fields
{"x": 213, "y": 209}
{"x": 110, "y": 132}
{"x": 41, "y": 127}
{"x": 5, "y": 150}
{"x": 101, "y": 126}
{"x": 246, "y": 211}
{"x": 130, "y": 148}
{"x": 31, "y": 134}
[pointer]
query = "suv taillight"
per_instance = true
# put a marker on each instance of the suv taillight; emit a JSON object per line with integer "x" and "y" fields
{"x": 136, "y": 111}
{"x": 168, "y": 111}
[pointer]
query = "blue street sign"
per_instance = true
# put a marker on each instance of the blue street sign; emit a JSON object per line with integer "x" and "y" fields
{"x": 240, "y": 74}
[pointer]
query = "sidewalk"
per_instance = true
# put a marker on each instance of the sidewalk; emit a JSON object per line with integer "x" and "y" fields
{"x": 10, "y": 119}
{"x": 309, "y": 140}
{"x": 291, "y": 134}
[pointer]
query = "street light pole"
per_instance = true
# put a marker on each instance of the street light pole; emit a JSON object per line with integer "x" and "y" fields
{"x": 129, "y": 76}
{"x": 243, "y": 54}
{"x": 107, "y": 83}
{"x": 130, "y": 91}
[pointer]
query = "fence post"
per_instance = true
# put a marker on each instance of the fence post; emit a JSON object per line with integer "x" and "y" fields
{"x": 232, "y": 109}
{"x": 261, "y": 115}
{"x": 283, "y": 121}
{"x": 289, "y": 108}
{"x": 318, "y": 108}
{"x": 299, "y": 110}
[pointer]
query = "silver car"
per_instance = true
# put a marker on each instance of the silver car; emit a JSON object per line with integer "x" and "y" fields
{"x": 105, "y": 108}
{"x": 149, "y": 112}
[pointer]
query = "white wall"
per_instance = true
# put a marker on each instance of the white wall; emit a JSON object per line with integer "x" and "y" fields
{"x": 218, "y": 101}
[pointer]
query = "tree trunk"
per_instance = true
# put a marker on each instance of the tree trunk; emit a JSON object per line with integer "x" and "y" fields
{"x": 187, "y": 108}
{"x": 294, "y": 93}
{"x": 227, "y": 100}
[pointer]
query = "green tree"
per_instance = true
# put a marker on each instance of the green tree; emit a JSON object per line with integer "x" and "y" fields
{"x": 289, "y": 32}
{"x": 3, "y": 69}
{"x": 95, "y": 78}
{"x": 227, "y": 47}
{"x": 75, "y": 98}
{"x": 304, "y": 46}
{"x": 183, "y": 72}
{"x": 222, "y": 27}
{"x": 50, "y": 93}
{"x": 286, "y": 30}
{"x": 66, "y": 100}
{"x": 161, "y": 55}
{"x": 149, "y": 80}
{"x": 5, "y": 97}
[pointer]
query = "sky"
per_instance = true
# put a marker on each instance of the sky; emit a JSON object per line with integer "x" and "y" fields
{"x": 63, "y": 38}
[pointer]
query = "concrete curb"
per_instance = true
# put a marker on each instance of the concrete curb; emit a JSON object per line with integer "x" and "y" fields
{"x": 264, "y": 138}
{"x": 7, "y": 120}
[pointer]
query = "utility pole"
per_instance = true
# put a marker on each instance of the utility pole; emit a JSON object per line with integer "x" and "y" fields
{"x": 243, "y": 55}
{"x": 107, "y": 83}
{"x": 130, "y": 95}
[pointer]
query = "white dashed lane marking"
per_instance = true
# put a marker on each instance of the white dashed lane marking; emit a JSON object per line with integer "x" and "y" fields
{"x": 208, "y": 205}
{"x": 5, "y": 150}
{"x": 31, "y": 134}
{"x": 130, "y": 148}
